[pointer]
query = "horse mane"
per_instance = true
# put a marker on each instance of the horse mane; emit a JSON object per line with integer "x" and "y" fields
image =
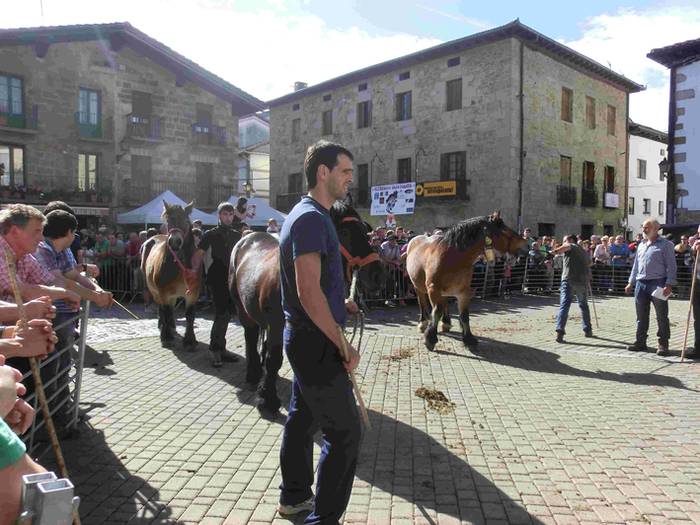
{"x": 340, "y": 210}
{"x": 466, "y": 233}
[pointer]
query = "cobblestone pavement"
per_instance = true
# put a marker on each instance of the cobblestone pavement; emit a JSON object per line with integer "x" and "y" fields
{"x": 583, "y": 432}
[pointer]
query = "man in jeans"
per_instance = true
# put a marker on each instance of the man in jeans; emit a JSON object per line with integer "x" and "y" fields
{"x": 313, "y": 300}
{"x": 654, "y": 267}
{"x": 575, "y": 276}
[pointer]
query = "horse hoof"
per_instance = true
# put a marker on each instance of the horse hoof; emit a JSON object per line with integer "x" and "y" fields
{"x": 215, "y": 358}
{"x": 422, "y": 326}
{"x": 166, "y": 343}
{"x": 251, "y": 386}
{"x": 271, "y": 406}
{"x": 470, "y": 342}
{"x": 445, "y": 327}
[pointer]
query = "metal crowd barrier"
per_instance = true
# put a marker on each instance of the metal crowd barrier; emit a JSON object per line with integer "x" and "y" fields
{"x": 62, "y": 374}
{"x": 122, "y": 279}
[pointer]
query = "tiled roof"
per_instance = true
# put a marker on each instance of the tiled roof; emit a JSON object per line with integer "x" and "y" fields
{"x": 677, "y": 54}
{"x": 647, "y": 132}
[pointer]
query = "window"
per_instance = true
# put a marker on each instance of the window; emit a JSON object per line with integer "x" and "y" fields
{"x": 295, "y": 107}
{"x": 403, "y": 106}
{"x": 140, "y": 185}
{"x": 405, "y": 75}
{"x": 294, "y": 183}
{"x": 612, "y": 112}
{"x": 647, "y": 207}
{"x": 403, "y": 170}
{"x": 454, "y": 94}
{"x": 87, "y": 171}
{"x": 296, "y": 129}
{"x": 608, "y": 229}
{"x": 204, "y": 113}
{"x": 204, "y": 179}
{"x": 11, "y": 165}
{"x": 452, "y": 62}
{"x": 662, "y": 152}
{"x": 661, "y": 207}
{"x": 565, "y": 171}
{"x": 567, "y": 104}
{"x": 11, "y": 103}
{"x": 362, "y": 87}
{"x": 641, "y": 169}
{"x": 89, "y": 113}
{"x": 327, "y": 122}
{"x": 363, "y": 184}
{"x": 364, "y": 114}
{"x": 545, "y": 229}
{"x": 141, "y": 104}
{"x": 453, "y": 166}
{"x": 586, "y": 231}
{"x": 609, "y": 179}
{"x": 630, "y": 206}
{"x": 588, "y": 182}
{"x": 590, "y": 112}
{"x": 326, "y": 98}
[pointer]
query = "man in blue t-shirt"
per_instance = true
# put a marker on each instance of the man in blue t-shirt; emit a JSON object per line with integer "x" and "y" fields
{"x": 313, "y": 300}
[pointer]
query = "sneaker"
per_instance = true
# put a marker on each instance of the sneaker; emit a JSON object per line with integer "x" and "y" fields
{"x": 638, "y": 347}
{"x": 662, "y": 350}
{"x": 293, "y": 510}
{"x": 588, "y": 333}
{"x": 229, "y": 357}
{"x": 560, "y": 337}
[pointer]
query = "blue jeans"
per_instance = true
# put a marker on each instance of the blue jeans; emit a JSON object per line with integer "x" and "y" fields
{"x": 321, "y": 396}
{"x": 642, "y": 302}
{"x": 566, "y": 296}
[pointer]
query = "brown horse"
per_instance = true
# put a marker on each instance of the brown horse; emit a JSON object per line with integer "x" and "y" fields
{"x": 442, "y": 266}
{"x": 166, "y": 263}
{"x": 254, "y": 283}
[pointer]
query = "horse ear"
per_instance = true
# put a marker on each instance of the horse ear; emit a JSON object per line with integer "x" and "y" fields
{"x": 496, "y": 215}
{"x": 188, "y": 208}
{"x": 166, "y": 206}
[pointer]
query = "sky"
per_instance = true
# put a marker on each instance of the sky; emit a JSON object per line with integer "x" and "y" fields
{"x": 264, "y": 46}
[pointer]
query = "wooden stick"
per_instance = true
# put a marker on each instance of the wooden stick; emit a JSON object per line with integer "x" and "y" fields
{"x": 690, "y": 309}
{"x": 351, "y": 373}
{"x": 595, "y": 314}
{"x": 120, "y": 305}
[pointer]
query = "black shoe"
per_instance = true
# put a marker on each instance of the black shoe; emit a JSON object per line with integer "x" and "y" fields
{"x": 638, "y": 347}
{"x": 560, "y": 337}
{"x": 229, "y": 357}
{"x": 662, "y": 349}
{"x": 588, "y": 333}
{"x": 215, "y": 358}
{"x": 692, "y": 352}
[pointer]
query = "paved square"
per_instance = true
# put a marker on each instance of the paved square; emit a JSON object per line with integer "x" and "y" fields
{"x": 584, "y": 432}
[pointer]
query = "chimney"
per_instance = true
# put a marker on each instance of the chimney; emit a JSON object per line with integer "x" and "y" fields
{"x": 300, "y": 85}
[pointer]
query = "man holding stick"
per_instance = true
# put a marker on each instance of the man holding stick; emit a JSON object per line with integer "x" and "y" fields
{"x": 694, "y": 351}
{"x": 313, "y": 299}
{"x": 575, "y": 278}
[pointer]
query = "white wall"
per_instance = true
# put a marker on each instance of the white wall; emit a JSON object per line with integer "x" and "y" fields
{"x": 690, "y": 169}
{"x": 653, "y": 187}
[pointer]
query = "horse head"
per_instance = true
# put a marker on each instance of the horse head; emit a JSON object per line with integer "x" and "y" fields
{"x": 504, "y": 238}
{"x": 356, "y": 250}
{"x": 177, "y": 219}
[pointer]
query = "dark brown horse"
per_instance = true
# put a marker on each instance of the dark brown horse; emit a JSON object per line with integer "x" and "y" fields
{"x": 254, "y": 283}
{"x": 442, "y": 266}
{"x": 166, "y": 263}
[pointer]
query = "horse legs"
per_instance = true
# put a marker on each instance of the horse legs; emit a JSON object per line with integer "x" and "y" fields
{"x": 272, "y": 359}
{"x": 423, "y": 304}
{"x": 467, "y": 337}
{"x": 190, "y": 341}
{"x": 438, "y": 302}
{"x": 254, "y": 363}
{"x": 446, "y": 323}
{"x": 166, "y": 323}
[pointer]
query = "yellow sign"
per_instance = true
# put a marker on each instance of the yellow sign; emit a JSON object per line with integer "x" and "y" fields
{"x": 441, "y": 188}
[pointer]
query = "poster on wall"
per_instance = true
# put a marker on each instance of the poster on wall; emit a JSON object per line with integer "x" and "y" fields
{"x": 394, "y": 199}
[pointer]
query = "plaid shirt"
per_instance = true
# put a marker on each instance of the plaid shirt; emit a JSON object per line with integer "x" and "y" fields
{"x": 29, "y": 271}
{"x": 50, "y": 259}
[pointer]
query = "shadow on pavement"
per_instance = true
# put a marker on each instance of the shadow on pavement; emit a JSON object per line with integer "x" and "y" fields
{"x": 398, "y": 458}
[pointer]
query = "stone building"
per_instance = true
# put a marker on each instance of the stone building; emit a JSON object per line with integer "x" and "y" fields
{"x": 647, "y": 183}
{"x": 105, "y": 117}
{"x": 683, "y": 60}
{"x": 516, "y": 120}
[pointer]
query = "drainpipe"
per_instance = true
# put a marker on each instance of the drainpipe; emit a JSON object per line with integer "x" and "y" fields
{"x": 521, "y": 155}
{"x": 625, "y": 203}
{"x": 671, "y": 186}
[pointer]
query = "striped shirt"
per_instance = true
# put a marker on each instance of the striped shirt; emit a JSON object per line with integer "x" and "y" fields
{"x": 29, "y": 271}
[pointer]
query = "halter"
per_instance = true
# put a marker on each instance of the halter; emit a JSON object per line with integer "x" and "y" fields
{"x": 354, "y": 262}
{"x": 183, "y": 269}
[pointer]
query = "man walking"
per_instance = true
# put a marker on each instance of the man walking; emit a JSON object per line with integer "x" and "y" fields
{"x": 654, "y": 267}
{"x": 575, "y": 277}
{"x": 313, "y": 300}
{"x": 221, "y": 241}
{"x": 694, "y": 351}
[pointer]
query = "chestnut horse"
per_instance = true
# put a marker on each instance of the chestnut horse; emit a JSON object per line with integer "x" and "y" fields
{"x": 254, "y": 283}
{"x": 166, "y": 261}
{"x": 442, "y": 266}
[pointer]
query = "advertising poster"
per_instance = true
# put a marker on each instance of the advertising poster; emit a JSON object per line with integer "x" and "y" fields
{"x": 394, "y": 199}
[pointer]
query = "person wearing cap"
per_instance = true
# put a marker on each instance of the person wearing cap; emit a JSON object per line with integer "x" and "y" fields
{"x": 220, "y": 240}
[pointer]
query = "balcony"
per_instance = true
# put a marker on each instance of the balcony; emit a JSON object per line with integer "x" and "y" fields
{"x": 101, "y": 131}
{"x": 286, "y": 201}
{"x": 566, "y": 195}
{"x": 20, "y": 123}
{"x": 144, "y": 127}
{"x": 204, "y": 134}
{"x": 137, "y": 192}
{"x": 589, "y": 198}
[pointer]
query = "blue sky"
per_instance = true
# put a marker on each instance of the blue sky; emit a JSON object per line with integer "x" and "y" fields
{"x": 263, "y": 46}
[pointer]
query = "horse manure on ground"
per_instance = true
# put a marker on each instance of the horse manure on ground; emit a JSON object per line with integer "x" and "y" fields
{"x": 436, "y": 400}
{"x": 401, "y": 353}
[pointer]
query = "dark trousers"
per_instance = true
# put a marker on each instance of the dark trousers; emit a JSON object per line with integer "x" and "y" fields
{"x": 696, "y": 315}
{"x": 223, "y": 310}
{"x": 642, "y": 302}
{"x": 321, "y": 397}
{"x": 61, "y": 369}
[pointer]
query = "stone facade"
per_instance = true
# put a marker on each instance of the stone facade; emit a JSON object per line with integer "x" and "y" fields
{"x": 486, "y": 128}
{"x": 168, "y": 136}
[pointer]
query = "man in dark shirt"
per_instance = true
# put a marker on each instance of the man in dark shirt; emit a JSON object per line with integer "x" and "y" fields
{"x": 575, "y": 276}
{"x": 221, "y": 241}
{"x": 313, "y": 300}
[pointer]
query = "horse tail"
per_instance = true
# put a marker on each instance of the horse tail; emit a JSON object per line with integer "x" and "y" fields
{"x": 233, "y": 263}
{"x": 146, "y": 248}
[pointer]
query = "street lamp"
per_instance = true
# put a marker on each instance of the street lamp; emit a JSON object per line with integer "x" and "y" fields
{"x": 248, "y": 188}
{"x": 664, "y": 166}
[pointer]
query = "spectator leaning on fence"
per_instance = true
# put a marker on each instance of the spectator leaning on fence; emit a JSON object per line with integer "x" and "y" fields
{"x": 575, "y": 276}
{"x": 654, "y": 267}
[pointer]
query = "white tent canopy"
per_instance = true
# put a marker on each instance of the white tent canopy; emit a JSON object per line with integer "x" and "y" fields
{"x": 259, "y": 211}
{"x": 151, "y": 212}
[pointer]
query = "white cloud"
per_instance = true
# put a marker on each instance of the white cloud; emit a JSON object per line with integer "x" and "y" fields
{"x": 262, "y": 52}
{"x": 623, "y": 40}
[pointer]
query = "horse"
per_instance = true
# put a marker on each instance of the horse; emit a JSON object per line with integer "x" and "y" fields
{"x": 254, "y": 284}
{"x": 442, "y": 266}
{"x": 166, "y": 263}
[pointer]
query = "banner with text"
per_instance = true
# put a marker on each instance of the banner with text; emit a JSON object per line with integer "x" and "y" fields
{"x": 396, "y": 199}
{"x": 440, "y": 188}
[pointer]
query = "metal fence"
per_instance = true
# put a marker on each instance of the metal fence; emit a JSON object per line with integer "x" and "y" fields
{"x": 61, "y": 374}
{"x": 125, "y": 281}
